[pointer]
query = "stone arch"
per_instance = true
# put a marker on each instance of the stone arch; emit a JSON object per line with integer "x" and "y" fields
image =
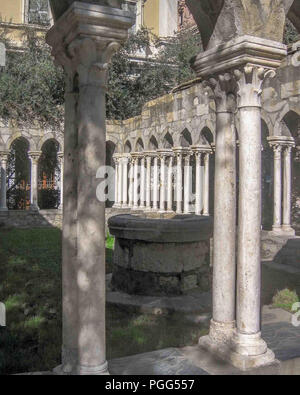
{"x": 293, "y": 109}
{"x": 206, "y": 136}
{"x": 139, "y": 145}
{"x": 291, "y": 125}
{"x": 153, "y": 144}
{"x": 15, "y": 137}
{"x": 110, "y": 151}
{"x": 127, "y": 147}
{"x": 49, "y": 136}
{"x": 168, "y": 141}
{"x": 186, "y": 138}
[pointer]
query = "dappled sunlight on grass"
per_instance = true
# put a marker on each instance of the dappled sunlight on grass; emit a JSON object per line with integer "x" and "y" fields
{"x": 30, "y": 287}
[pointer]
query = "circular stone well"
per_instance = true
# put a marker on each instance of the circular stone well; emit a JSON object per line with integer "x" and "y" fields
{"x": 158, "y": 257}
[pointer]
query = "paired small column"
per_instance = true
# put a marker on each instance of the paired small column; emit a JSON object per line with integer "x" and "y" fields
{"x": 178, "y": 155}
{"x": 282, "y": 146}
{"x": 3, "y": 161}
{"x": 125, "y": 161}
{"x": 198, "y": 180}
{"x": 155, "y": 183}
{"x": 148, "y": 180}
{"x": 135, "y": 161}
{"x": 170, "y": 184}
{"x": 187, "y": 182}
{"x": 206, "y": 183}
{"x": 116, "y": 158}
{"x": 34, "y": 160}
{"x": 61, "y": 161}
{"x": 142, "y": 183}
{"x": 131, "y": 182}
{"x": 163, "y": 154}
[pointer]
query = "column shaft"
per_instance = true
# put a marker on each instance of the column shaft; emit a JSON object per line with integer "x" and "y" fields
{"x": 170, "y": 184}
{"x": 198, "y": 184}
{"x": 162, "y": 184}
{"x": 287, "y": 191}
{"x": 187, "y": 184}
{"x": 120, "y": 181}
{"x": 179, "y": 185}
{"x": 3, "y": 203}
{"x": 136, "y": 184}
{"x": 277, "y": 189}
{"x": 206, "y": 185}
{"x": 131, "y": 186}
{"x": 224, "y": 241}
{"x": 34, "y": 157}
{"x": 125, "y": 183}
{"x": 142, "y": 186}
{"x": 148, "y": 184}
{"x": 155, "y": 184}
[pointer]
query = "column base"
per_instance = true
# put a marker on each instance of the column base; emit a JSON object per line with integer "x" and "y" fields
{"x": 148, "y": 210}
{"x": 101, "y": 370}
{"x": 221, "y": 332}
{"x": 34, "y": 207}
{"x": 3, "y": 209}
{"x": 288, "y": 230}
{"x": 266, "y": 363}
{"x": 117, "y": 205}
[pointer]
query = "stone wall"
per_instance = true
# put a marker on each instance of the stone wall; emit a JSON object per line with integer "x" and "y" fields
{"x": 31, "y": 219}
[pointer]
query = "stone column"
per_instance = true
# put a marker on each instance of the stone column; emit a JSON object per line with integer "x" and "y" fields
{"x": 131, "y": 184}
{"x": 142, "y": 185}
{"x": 287, "y": 190}
{"x": 83, "y": 40}
{"x": 277, "y": 148}
{"x": 206, "y": 184}
{"x": 170, "y": 184}
{"x": 135, "y": 181}
{"x": 120, "y": 180}
{"x": 125, "y": 182}
{"x": 3, "y": 160}
{"x": 115, "y": 159}
{"x": 178, "y": 154}
{"x": 163, "y": 155}
{"x": 198, "y": 180}
{"x": 148, "y": 181}
{"x": 187, "y": 183}
{"x": 34, "y": 159}
{"x": 61, "y": 160}
{"x": 247, "y": 341}
{"x": 224, "y": 240}
{"x": 155, "y": 183}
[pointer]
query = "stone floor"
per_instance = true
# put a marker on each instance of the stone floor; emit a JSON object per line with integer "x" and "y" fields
{"x": 282, "y": 337}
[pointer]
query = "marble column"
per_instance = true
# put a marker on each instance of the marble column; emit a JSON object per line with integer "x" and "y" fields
{"x": 224, "y": 240}
{"x": 61, "y": 161}
{"x": 206, "y": 184}
{"x": 125, "y": 181}
{"x": 198, "y": 180}
{"x": 277, "y": 148}
{"x": 247, "y": 340}
{"x": 120, "y": 181}
{"x": 3, "y": 160}
{"x": 83, "y": 40}
{"x": 178, "y": 155}
{"x": 116, "y": 160}
{"x": 155, "y": 183}
{"x": 163, "y": 156}
{"x": 187, "y": 183}
{"x": 34, "y": 157}
{"x": 287, "y": 189}
{"x": 148, "y": 180}
{"x": 170, "y": 184}
{"x": 131, "y": 183}
{"x": 142, "y": 184}
{"x": 135, "y": 181}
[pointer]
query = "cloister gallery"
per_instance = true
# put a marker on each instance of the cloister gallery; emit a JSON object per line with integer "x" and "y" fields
{"x": 225, "y": 146}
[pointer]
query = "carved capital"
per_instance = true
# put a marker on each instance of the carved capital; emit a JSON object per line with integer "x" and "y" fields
{"x": 223, "y": 88}
{"x": 34, "y": 156}
{"x": 4, "y": 157}
{"x": 249, "y": 84}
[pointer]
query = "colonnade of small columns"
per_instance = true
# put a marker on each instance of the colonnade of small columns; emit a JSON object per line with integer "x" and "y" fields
{"x": 34, "y": 157}
{"x": 162, "y": 180}
{"x": 282, "y": 147}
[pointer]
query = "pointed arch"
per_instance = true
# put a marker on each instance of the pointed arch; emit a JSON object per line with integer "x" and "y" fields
{"x": 168, "y": 141}
{"x": 186, "y": 138}
{"x": 153, "y": 144}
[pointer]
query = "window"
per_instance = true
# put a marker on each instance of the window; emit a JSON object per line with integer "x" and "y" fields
{"x": 38, "y": 12}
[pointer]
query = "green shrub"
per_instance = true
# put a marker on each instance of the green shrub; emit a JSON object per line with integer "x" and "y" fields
{"x": 285, "y": 299}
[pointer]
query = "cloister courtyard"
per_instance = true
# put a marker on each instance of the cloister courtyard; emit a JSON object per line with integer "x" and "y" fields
{"x": 150, "y": 189}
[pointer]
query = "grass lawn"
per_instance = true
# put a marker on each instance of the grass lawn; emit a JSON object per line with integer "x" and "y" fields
{"x": 30, "y": 287}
